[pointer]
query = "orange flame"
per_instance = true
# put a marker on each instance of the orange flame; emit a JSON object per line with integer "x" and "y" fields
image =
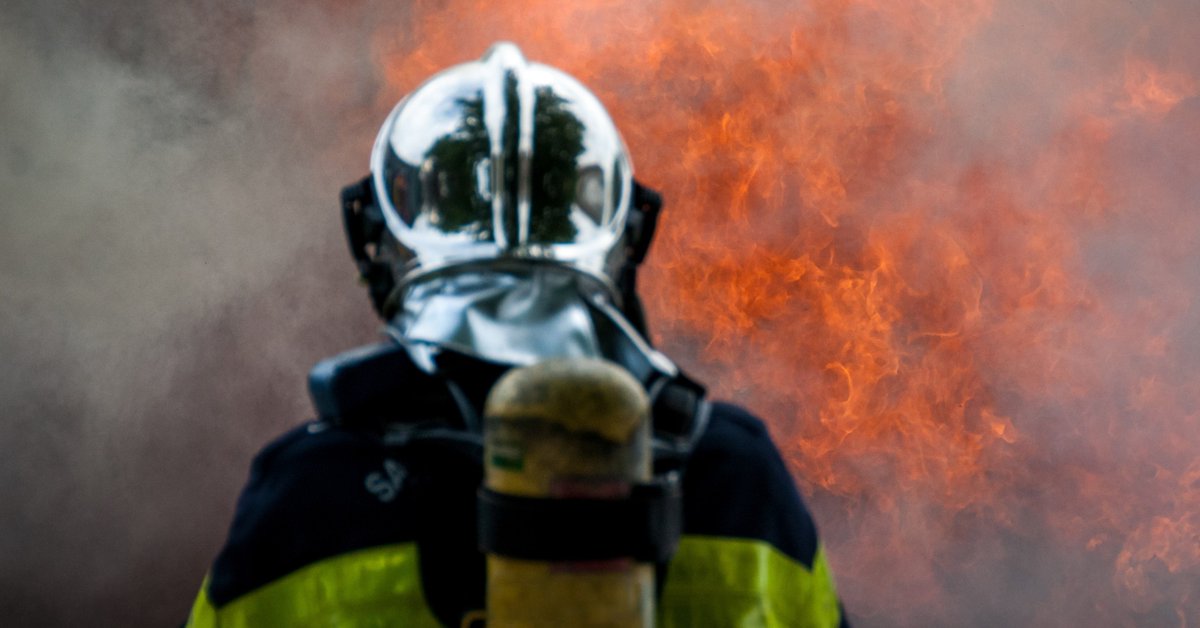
{"x": 947, "y": 248}
{"x": 1150, "y": 91}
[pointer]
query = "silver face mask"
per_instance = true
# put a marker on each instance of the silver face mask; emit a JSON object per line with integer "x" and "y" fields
{"x": 519, "y": 317}
{"x": 506, "y": 190}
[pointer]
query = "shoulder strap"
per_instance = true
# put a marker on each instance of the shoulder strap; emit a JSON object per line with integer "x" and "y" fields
{"x": 378, "y": 386}
{"x": 680, "y": 414}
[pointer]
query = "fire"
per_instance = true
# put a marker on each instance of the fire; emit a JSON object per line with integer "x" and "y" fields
{"x": 948, "y": 248}
{"x": 1150, "y": 91}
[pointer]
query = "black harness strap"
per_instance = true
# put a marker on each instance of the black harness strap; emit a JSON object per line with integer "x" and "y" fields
{"x": 380, "y": 389}
{"x": 379, "y": 385}
{"x": 644, "y": 526}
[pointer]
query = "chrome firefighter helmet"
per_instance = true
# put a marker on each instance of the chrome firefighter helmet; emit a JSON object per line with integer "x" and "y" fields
{"x": 495, "y": 161}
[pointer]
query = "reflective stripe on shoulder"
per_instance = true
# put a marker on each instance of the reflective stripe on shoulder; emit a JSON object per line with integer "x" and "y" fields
{"x": 715, "y": 581}
{"x": 380, "y": 586}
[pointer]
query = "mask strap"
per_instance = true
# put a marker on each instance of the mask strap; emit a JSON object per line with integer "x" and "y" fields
{"x": 639, "y": 232}
{"x": 365, "y": 228}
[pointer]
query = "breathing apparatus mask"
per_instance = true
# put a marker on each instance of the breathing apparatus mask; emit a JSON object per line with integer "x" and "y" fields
{"x": 501, "y": 220}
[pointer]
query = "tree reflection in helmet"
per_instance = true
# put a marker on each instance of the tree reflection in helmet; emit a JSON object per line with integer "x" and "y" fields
{"x": 502, "y": 159}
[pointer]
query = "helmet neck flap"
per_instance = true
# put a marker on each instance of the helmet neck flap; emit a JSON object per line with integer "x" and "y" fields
{"x": 501, "y": 218}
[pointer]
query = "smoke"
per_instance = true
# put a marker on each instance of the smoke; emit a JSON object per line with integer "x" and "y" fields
{"x": 171, "y": 264}
{"x": 1085, "y": 117}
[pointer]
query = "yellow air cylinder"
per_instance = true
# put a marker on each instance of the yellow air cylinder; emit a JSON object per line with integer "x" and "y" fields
{"x": 563, "y": 429}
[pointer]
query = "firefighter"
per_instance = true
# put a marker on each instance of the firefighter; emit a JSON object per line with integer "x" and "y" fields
{"x": 500, "y": 226}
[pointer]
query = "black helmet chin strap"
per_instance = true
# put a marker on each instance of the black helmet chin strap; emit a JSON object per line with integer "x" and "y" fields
{"x": 640, "y": 226}
{"x": 366, "y": 228}
{"x": 639, "y": 232}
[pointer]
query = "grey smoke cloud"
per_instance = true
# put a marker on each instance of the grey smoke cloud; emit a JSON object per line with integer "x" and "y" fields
{"x": 171, "y": 263}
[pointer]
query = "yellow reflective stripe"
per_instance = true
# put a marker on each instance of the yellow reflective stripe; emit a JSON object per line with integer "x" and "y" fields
{"x": 741, "y": 582}
{"x": 380, "y": 586}
{"x": 203, "y": 614}
{"x": 726, "y": 582}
